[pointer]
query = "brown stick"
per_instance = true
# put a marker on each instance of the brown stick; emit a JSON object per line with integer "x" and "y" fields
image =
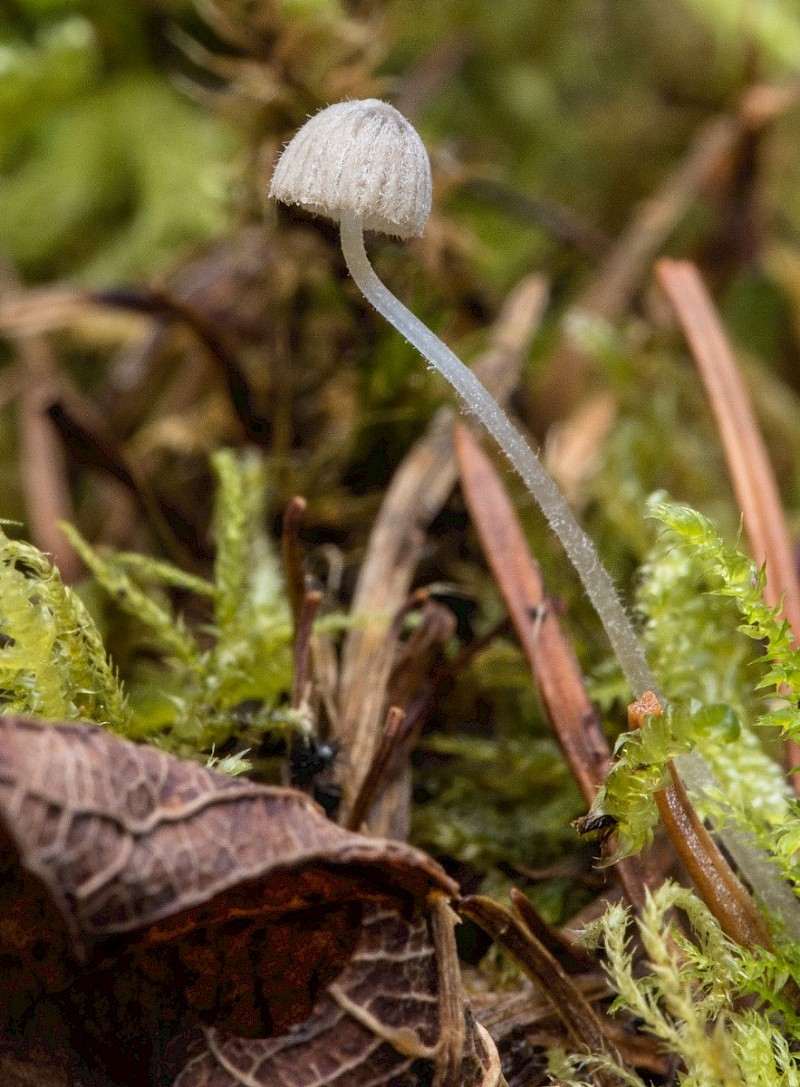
{"x": 392, "y": 732}
{"x": 452, "y": 1027}
{"x": 302, "y": 647}
{"x": 716, "y": 882}
{"x": 746, "y": 455}
{"x": 292, "y": 556}
{"x": 570, "y": 949}
{"x": 584, "y": 1027}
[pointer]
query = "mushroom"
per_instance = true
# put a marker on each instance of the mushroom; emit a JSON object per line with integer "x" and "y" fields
{"x": 363, "y": 165}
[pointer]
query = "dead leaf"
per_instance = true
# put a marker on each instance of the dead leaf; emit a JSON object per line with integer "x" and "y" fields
{"x": 379, "y": 1024}
{"x": 142, "y": 897}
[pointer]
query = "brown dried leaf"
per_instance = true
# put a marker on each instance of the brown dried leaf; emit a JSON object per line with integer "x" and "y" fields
{"x": 141, "y": 894}
{"x": 204, "y": 882}
{"x": 378, "y": 1024}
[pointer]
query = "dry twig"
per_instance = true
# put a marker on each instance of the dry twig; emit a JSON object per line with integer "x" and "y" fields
{"x": 748, "y": 463}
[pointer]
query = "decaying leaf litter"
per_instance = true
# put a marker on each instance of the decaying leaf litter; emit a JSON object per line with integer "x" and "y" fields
{"x": 221, "y": 664}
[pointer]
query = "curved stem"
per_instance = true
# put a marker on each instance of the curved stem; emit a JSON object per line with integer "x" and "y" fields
{"x": 580, "y": 549}
{"x": 756, "y": 866}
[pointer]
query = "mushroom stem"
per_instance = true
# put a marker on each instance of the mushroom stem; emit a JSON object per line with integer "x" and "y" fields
{"x": 580, "y": 549}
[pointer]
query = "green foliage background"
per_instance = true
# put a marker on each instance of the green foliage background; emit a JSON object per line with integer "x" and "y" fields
{"x": 136, "y": 137}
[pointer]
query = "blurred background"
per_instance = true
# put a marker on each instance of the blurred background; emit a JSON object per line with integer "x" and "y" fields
{"x": 155, "y": 308}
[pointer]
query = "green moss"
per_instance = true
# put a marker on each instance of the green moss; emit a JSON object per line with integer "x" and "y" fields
{"x": 197, "y": 689}
{"x": 106, "y": 172}
{"x": 704, "y": 607}
{"x": 696, "y": 994}
{"x": 52, "y": 660}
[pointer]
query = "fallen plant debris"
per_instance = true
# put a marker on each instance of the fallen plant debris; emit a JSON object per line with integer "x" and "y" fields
{"x": 367, "y": 1028}
{"x": 143, "y": 897}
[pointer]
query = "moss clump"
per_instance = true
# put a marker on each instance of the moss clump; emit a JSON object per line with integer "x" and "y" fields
{"x": 693, "y": 585}
{"x": 52, "y": 660}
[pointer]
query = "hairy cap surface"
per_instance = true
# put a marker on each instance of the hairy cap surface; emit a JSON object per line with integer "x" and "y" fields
{"x": 361, "y": 158}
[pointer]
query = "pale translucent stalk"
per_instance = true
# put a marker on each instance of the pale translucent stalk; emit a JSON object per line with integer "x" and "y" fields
{"x": 755, "y": 865}
{"x": 580, "y": 549}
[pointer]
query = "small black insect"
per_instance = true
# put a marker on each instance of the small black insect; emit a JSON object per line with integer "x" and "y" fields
{"x": 310, "y": 756}
{"x": 311, "y": 760}
{"x": 601, "y": 824}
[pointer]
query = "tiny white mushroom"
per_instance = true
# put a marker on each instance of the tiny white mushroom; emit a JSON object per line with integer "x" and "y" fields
{"x": 363, "y": 165}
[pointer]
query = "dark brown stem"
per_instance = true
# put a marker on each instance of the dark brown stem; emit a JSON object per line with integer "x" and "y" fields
{"x": 568, "y": 947}
{"x": 583, "y": 1026}
{"x": 302, "y": 647}
{"x": 387, "y": 746}
{"x": 452, "y": 1028}
{"x": 293, "y": 557}
{"x": 716, "y": 882}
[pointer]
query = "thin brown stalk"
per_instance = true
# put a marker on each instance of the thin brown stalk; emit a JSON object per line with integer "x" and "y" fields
{"x": 746, "y": 455}
{"x": 292, "y": 555}
{"x": 373, "y": 687}
{"x": 582, "y": 1024}
{"x": 452, "y": 1031}
{"x": 716, "y": 882}
{"x": 561, "y": 942}
{"x": 302, "y": 647}
{"x": 392, "y": 734}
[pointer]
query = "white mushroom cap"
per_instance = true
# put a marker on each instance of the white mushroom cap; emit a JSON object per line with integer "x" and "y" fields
{"x": 361, "y": 158}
